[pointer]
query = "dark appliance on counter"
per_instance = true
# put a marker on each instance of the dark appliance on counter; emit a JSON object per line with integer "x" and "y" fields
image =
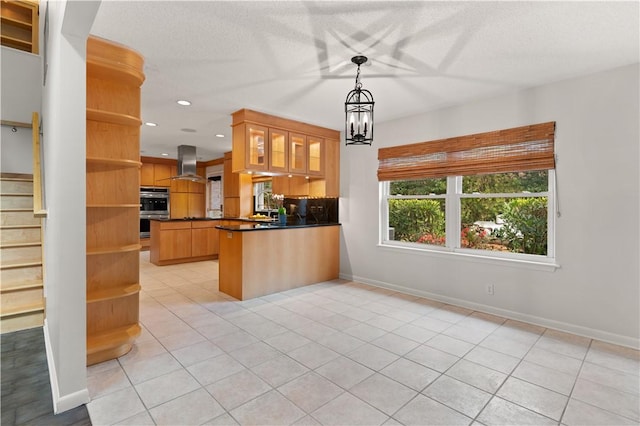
{"x": 154, "y": 204}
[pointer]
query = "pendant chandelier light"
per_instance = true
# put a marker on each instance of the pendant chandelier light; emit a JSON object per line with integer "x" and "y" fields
{"x": 358, "y": 110}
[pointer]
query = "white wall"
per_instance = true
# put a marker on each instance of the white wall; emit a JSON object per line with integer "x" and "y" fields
{"x": 21, "y": 84}
{"x": 595, "y": 292}
{"x": 64, "y": 131}
{"x": 16, "y": 150}
{"x": 21, "y": 96}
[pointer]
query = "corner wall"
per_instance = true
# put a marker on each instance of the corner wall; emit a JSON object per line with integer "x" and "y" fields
{"x": 21, "y": 82}
{"x": 64, "y": 133}
{"x": 596, "y": 291}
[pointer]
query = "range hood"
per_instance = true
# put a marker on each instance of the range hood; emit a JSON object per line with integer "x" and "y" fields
{"x": 187, "y": 165}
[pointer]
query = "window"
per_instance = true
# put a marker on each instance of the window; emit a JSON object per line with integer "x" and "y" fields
{"x": 451, "y": 196}
{"x": 262, "y": 196}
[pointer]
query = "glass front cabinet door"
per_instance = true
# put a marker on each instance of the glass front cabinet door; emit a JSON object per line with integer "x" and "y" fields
{"x": 297, "y": 153}
{"x": 278, "y": 150}
{"x": 315, "y": 156}
{"x": 257, "y": 154}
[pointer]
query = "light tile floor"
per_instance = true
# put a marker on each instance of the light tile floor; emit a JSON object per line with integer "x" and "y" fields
{"x": 347, "y": 353}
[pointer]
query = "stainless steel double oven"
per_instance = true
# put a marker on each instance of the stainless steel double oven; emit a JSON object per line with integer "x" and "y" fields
{"x": 154, "y": 204}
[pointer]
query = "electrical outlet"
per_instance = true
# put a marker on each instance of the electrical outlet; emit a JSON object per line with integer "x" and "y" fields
{"x": 490, "y": 289}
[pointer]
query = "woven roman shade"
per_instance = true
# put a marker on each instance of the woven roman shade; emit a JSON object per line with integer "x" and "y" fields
{"x": 510, "y": 150}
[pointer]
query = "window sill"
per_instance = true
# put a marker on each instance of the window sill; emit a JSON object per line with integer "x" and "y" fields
{"x": 541, "y": 265}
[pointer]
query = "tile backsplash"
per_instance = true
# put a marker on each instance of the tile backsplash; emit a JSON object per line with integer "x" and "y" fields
{"x": 311, "y": 210}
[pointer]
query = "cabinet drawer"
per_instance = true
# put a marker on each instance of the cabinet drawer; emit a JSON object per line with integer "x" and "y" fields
{"x": 175, "y": 225}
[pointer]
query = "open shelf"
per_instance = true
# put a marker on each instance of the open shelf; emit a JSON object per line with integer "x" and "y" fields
{"x": 110, "y": 250}
{"x": 112, "y": 117}
{"x": 116, "y": 162}
{"x": 7, "y": 20}
{"x": 113, "y": 293}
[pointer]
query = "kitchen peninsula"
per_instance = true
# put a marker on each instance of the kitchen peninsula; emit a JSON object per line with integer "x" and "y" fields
{"x": 260, "y": 259}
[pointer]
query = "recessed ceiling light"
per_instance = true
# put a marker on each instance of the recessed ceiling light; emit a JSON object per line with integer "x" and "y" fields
{"x": 219, "y": 135}
{"x": 184, "y": 103}
{"x": 188, "y": 130}
{"x": 150, "y": 124}
{"x": 164, "y": 154}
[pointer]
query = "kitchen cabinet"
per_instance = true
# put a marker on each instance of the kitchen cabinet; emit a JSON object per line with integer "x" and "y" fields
{"x": 178, "y": 185}
{"x": 113, "y": 199}
{"x": 278, "y": 150}
{"x": 204, "y": 239}
{"x": 291, "y": 186}
{"x": 186, "y": 204}
{"x": 297, "y": 153}
{"x": 237, "y": 190}
{"x": 187, "y": 198}
{"x": 198, "y": 187}
{"x": 153, "y": 174}
{"x": 264, "y": 143}
{"x": 146, "y": 175}
{"x": 162, "y": 175}
{"x": 183, "y": 241}
{"x": 315, "y": 156}
{"x": 329, "y": 186}
{"x": 19, "y": 28}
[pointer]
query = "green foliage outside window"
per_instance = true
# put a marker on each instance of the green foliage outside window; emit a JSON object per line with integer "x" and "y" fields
{"x": 418, "y": 187}
{"x": 412, "y": 219}
{"x": 526, "y": 230}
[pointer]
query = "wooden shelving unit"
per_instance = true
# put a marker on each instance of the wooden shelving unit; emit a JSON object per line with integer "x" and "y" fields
{"x": 19, "y": 29}
{"x": 114, "y": 77}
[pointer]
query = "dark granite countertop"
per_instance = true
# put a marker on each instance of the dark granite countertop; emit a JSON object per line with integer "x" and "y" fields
{"x": 270, "y": 226}
{"x": 199, "y": 219}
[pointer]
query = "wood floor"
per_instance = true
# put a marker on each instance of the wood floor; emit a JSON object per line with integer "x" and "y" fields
{"x": 25, "y": 389}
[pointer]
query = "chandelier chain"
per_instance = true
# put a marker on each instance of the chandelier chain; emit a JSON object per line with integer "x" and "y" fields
{"x": 358, "y": 83}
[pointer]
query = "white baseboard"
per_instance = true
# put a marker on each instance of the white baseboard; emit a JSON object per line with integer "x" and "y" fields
{"x": 65, "y": 402}
{"x": 591, "y": 333}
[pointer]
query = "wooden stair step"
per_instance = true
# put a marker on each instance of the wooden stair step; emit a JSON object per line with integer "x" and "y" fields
{"x": 20, "y": 286}
{"x": 22, "y": 310}
{"x": 11, "y": 186}
{"x": 9, "y": 265}
{"x": 12, "y": 277}
{"x": 21, "y": 254}
{"x": 22, "y": 321}
{"x": 16, "y": 201}
{"x": 20, "y": 235}
{"x": 17, "y": 179}
{"x": 21, "y": 301}
{"x": 17, "y": 245}
{"x": 17, "y": 217}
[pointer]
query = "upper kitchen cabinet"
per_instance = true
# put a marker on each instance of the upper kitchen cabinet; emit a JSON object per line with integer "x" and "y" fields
{"x": 278, "y": 150}
{"x": 264, "y": 143}
{"x": 315, "y": 156}
{"x": 250, "y": 148}
{"x": 156, "y": 172}
{"x": 298, "y": 154}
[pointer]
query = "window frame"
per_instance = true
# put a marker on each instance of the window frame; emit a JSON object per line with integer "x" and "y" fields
{"x": 453, "y": 221}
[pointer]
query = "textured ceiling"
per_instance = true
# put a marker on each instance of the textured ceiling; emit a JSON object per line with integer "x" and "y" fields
{"x": 292, "y": 58}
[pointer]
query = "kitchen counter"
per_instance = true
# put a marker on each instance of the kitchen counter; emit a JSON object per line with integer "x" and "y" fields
{"x": 265, "y": 226}
{"x": 254, "y": 264}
